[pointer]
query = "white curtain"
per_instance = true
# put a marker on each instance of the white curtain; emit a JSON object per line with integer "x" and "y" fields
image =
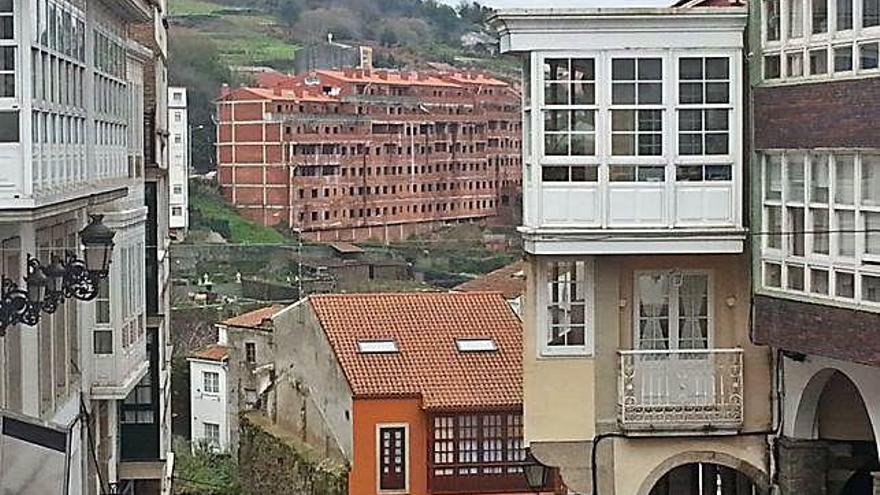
{"x": 693, "y": 312}
{"x": 653, "y": 312}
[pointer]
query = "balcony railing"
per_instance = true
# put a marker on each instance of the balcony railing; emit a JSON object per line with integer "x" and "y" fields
{"x": 682, "y": 390}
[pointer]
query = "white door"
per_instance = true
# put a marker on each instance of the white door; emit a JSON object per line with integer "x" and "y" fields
{"x": 673, "y": 321}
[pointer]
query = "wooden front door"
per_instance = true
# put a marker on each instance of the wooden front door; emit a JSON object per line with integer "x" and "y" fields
{"x": 392, "y": 458}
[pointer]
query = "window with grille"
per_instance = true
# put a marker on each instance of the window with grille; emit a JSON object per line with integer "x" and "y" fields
{"x": 477, "y": 445}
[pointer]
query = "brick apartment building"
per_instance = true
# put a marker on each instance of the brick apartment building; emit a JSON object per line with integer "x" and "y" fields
{"x": 362, "y": 153}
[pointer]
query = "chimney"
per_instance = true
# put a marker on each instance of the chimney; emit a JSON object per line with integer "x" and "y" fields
{"x": 383, "y": 75}
{"x": 348, "y": 72}
{"x": 224, "y": 90}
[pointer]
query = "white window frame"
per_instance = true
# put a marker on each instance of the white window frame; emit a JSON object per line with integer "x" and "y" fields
{"x": 213, "y": 390}
{"x": 543, "y": 298}
{"x": 209, "y": 442}
{"x": 831, "y": 39}
{"x": 406, "y": 460}
{"x": 673, "y": 309}
{"x": 859, "y": 265}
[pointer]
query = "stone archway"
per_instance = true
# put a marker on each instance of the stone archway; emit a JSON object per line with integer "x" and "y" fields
{"x": 834, "y": 449}
{"x": 705, "y": 461}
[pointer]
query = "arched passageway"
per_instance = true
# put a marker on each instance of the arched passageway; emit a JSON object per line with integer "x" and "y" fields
{"x": 704, "y": 479}
{"x": 836, "y": 448}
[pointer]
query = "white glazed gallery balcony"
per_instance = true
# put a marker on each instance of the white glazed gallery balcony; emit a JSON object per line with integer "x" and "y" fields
{"x": 662, "y": 215}
{"x": 671, "y": 391}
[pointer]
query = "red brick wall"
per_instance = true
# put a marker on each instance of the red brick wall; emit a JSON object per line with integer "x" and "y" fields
{"x": 827, "y": 114}
{"x": 819, "y": 329}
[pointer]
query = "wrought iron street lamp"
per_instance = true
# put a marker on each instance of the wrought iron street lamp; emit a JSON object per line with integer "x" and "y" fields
{"x": 47, "y": 287}
{"x": 536, "y": 473}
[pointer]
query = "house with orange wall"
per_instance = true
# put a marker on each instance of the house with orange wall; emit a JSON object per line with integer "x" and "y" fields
{"x": 421, "y": 392}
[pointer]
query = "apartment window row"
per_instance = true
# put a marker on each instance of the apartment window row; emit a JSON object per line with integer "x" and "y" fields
{"x": 395, "y": 150}
{"x": 638, "y": 116}
{"x": 477, "y": 445}
{"x": 393, "y": 189}
{"x": 821, "y": 224}
{"x": 820, "y": 38}
{"x": 8, "y": 49}
{"x": 57, "y": 80}
{"x": 398, "y": 170}
{"x": 394, "y": 211}
{"x": 60, "y": 27}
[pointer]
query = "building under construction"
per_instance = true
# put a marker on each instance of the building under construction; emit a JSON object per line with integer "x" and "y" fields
{"x": 361, "y": 154}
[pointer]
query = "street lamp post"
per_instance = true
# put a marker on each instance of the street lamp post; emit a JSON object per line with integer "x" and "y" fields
{"x": 47, "y": 287}
{"x": 535, "y": 473}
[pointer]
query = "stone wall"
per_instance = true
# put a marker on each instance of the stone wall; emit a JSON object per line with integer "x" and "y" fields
{"x": 273, "y": 465}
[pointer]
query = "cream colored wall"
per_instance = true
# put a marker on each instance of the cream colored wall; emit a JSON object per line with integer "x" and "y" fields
{"x": 731, "y": 282}
{"x": 638, "y": 461}
{"x": 558, "y": 392}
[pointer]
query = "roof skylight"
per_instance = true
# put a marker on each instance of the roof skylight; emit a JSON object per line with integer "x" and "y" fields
{"x": 476, "y": 345}
{"x": 385, "y": 346}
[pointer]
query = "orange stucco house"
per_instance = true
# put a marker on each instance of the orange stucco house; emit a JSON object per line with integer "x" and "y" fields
{"x": 422, "y": 392}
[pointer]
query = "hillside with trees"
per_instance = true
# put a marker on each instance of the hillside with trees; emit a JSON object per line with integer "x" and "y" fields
{"x": 211, "y": 38}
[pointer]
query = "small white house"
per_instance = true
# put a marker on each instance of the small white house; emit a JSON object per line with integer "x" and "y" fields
{"x": 208, "y": 397}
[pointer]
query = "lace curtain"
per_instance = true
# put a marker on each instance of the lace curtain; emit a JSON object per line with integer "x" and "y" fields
{"x": 693, "y": 312}
{"x": 653, "y": 312}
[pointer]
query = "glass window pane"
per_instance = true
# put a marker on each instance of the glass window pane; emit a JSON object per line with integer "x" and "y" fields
{"x": 650, "y": 69}
{"x": 872, "y": 233}
{"x": 623, "y": 144}
{"x": 844, "y": 187}
{"x": 583, "y": 69}
{"x": 871, "y": 13}
{"x": 650, "y": 94}
{"x": 819, "y": 281}
{"x": 795, "y": 278}
{"x": 717, "y": 120}
{"x": 819, "y": 61}
{"x": 583, "y": 93}
{"x": 717, "y": 143}
{"x": 846, "y": 224}
{"x": 623, "y": 69}
{"x": 719, "y": 172}
{"x": 870, "y": 179}
{"x": 795, "y": 63}
{"x": 843, "y": 59}
{"x": 554, "y": 174}
{"x": 795, "y": 178}
{"x": 844, "y": 285}
{"x": 773, "y": 275}
{"x": 690, "y": 120}
{"x": 820, "y": 16}
{"x": 717, "y": 92}
{"x": 556, "y": 120}
{"x": 690, "y": 144}
{"x": 819, "y": 177}
{"x": 871, "y": 288}
{"x": 844, "y": 15}
{"x": 773, "y": 177}
{"x": 583, "y": 144}
{"x": 690, "y": 92}
{"x": 690, "y": 68}
{"x": 795, "y": 18}
{"x": 796, "y": 231}
{"x": 772, "y": 18}
{"x": 623, "y": 94}
{"x": 556, "y": 69}
{"x": 820, "y": 228}
{"x": 623, "y": 120}
{"x": 772, "y": 67}
{"x": 556, "y": 94}
{"x": 868, "y": 54}
{"x": 9, "y": 130}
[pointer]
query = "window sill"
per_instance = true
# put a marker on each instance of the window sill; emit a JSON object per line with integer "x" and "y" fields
{"x": 564, "y": 354}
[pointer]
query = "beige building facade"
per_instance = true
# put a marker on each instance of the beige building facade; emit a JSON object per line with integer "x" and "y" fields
{"x": 639, "y": 372}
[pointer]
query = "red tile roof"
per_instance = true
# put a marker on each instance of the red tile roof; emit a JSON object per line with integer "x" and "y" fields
{"x": 510, "y": 281}
{"x": 214, "y": 352}
{"x": 395, "y": 78}
{"x": 253, "y": 319}
{"x": 428, "y": 364}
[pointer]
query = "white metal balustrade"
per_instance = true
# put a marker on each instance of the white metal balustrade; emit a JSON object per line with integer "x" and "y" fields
{"x": 681, "y": 390}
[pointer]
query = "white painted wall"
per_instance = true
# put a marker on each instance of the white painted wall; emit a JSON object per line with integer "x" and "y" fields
{"x": 210, "y": 408}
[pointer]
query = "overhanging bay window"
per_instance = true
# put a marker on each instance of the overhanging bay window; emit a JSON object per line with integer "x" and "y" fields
{"x": 472, "y": 451}
{"x": 821, "y": 218}
{"x": 633, "y": 139}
